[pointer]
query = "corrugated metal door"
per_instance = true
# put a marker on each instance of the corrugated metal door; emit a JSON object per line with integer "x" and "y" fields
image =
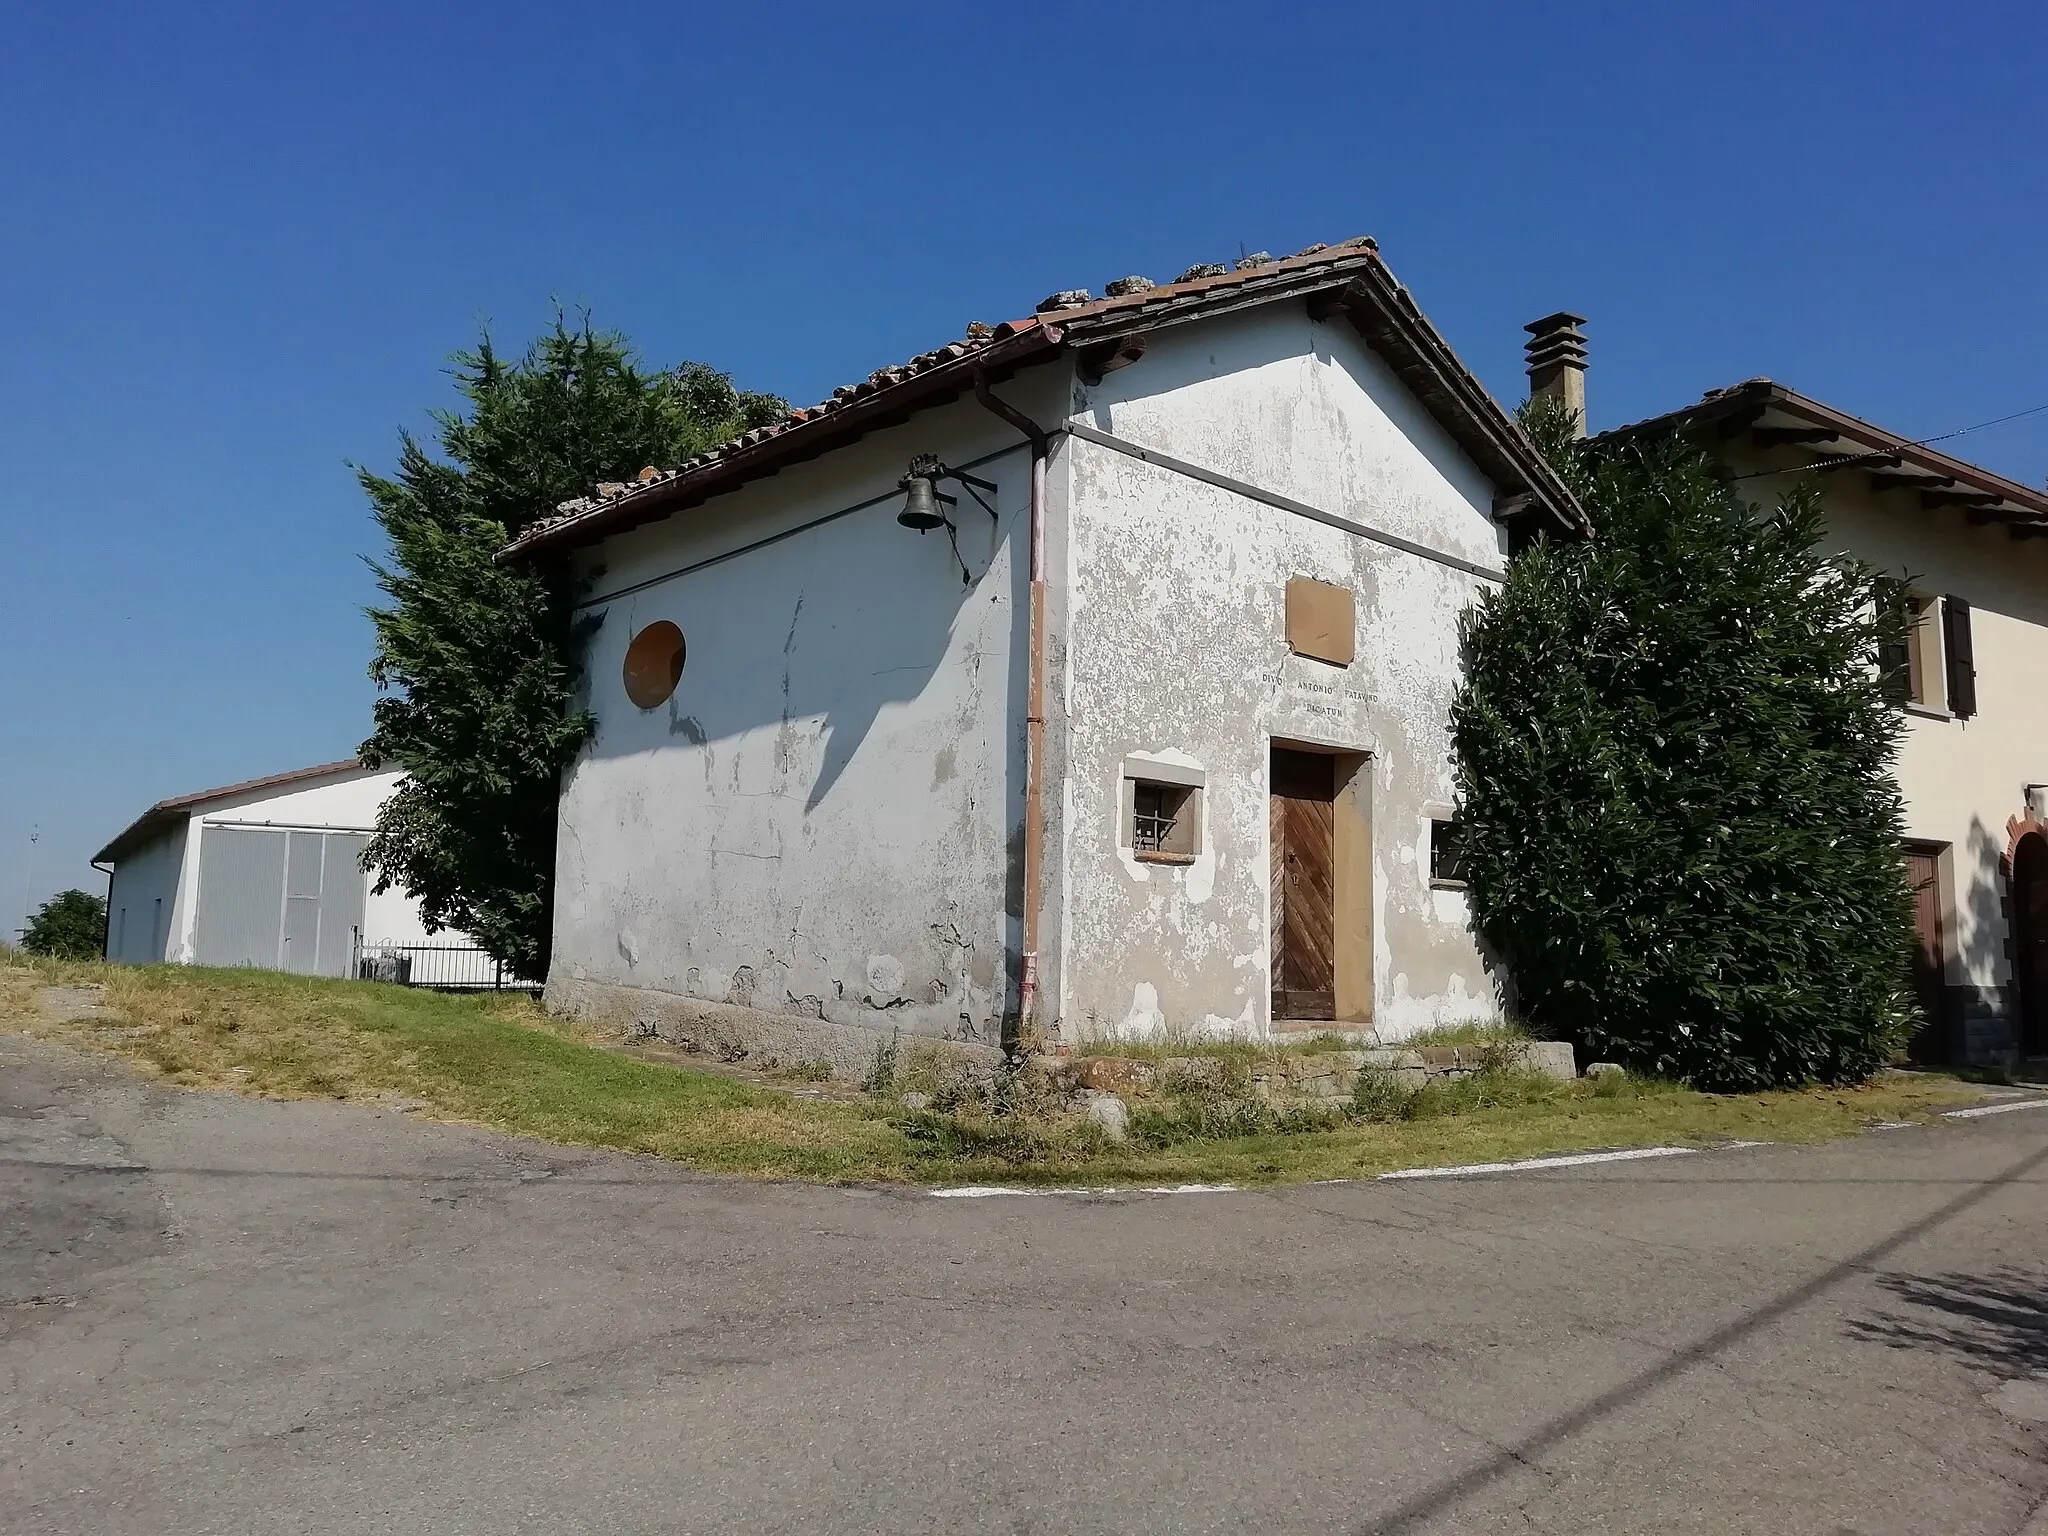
{"x": 290, "y": 901}
{"x": 301, "y": 953}
{"x": 241, "y": 878}
{"x": 341, "y": 902}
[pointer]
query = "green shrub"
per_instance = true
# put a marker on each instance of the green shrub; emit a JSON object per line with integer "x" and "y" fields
{"x": 1673, "y": 751}
{"x": 72, "y": 925}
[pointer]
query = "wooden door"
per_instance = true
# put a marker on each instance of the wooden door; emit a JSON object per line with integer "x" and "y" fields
{"x": 1304, "y": 855}
{"x": 2030, "y": 940}
{"x": 1929, "y": 1044}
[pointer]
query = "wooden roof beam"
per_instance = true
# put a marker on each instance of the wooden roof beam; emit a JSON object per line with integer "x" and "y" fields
{"x": 1787, "y": 437}
{"x": 1100, "y": 359}
{"x": 1931, "y": 498}
{"x": 1891, "y": 482}
{"x": 1735, "y": 423}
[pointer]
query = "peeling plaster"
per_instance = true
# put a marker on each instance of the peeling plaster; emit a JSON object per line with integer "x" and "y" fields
{"x": 1144, "y": 1019}
{"x": 839, "y": 773}
{"x": 848, "y": 730}
{"x": 1176, "y": 644}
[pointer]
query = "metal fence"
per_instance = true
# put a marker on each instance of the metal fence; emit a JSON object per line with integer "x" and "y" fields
{"x": 441, "y": 967}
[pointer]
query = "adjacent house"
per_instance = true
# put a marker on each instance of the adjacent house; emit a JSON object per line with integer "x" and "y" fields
{"x": 1969, "y": 550}
{"x": 1090, "y": 672}
{"x": 265, "y": 873}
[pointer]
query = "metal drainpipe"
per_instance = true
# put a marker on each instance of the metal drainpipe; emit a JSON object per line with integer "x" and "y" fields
{"x": 1034, "y": 709}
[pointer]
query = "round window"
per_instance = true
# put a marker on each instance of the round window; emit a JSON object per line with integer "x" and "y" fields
{"x": 654, "y": 664}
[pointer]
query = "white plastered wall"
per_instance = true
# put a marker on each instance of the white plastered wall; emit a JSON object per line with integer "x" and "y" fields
{"x": 823, "y": 819}
{"x": 1962, "y": 780}
{"x": 1174, "y": 645}
{"x": 142, "y": 900}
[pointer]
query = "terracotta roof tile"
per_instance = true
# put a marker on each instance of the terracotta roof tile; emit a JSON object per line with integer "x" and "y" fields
{"x": 1069, "y": 312}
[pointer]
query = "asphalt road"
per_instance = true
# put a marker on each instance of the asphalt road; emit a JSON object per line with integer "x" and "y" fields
{"x": 226, "y": 1315}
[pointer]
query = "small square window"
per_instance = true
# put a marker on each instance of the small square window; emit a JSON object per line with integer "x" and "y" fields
{"x": 1162, "y": 817}
{"x": 1161, "y": 826}
{"x": 1446, "y": 856}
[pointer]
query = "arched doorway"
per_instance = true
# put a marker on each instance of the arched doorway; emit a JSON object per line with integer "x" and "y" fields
{"x": 2030, "y": 940}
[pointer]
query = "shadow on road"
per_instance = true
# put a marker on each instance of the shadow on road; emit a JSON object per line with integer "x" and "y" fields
{"x": 1439, "y": 1499}
{"x": 1998, "y": 1321}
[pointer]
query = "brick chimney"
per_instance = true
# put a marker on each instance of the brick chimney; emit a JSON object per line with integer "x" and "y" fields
{"x": 1557, "y": 361}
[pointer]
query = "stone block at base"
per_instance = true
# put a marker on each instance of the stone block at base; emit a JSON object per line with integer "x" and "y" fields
{"x": 1549, "y": 1058}
{"x": 729, "y": 1032}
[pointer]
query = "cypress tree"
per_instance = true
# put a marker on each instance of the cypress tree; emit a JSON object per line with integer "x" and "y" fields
{"x": 1674, "y": 752}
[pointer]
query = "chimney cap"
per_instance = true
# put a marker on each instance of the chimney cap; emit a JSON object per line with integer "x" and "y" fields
{"x": 1564, "y": 319}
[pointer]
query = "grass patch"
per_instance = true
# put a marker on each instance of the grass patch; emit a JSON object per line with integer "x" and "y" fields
{"x": 500, "y": 1061}
{"x": 1156, "y": 1049}
{"x": 1496, "y": 1036}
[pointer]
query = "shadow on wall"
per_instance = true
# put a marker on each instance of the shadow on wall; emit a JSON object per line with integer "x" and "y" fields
{"x": 1997, "y": 1322}
{"x": 1984, "y": 1029}
{"x": 816, "y": 638}
{"x": 1982, "y": 907}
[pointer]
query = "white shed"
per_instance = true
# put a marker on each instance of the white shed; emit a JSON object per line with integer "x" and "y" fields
{"x": 265, "y": 873}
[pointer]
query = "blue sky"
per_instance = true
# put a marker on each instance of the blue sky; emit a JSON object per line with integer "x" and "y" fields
{"x": 239, "y": 240}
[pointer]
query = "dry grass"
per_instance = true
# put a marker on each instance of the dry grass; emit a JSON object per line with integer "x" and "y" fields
{"x": 502, "y": 1062}
{"x": 490, "y": 1060}
{"x": 1166, "y": 1047}
{"x": 1157, "y": 1048}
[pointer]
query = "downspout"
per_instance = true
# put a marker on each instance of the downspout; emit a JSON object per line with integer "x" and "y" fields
{"x": 1034, "y": 708}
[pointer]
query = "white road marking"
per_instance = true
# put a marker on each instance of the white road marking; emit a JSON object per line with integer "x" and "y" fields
{"x": 1458, "y": 1171}
{"x": 1993, "y": 1109}
{"x": 1572, "y": 1160}
{"x": 983, "y": 1191}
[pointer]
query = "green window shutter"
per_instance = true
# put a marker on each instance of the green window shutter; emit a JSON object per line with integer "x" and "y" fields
{"x": 1958, "y": 647}
{"x": 1894, "y": 662}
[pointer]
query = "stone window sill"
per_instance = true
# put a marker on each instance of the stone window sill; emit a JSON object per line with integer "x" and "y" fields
{"x": 1153, "y": 856}
{"x": 1927, "y": 712}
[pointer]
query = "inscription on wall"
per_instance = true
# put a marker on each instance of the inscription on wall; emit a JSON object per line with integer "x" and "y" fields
{"x": 1333, "y": 700}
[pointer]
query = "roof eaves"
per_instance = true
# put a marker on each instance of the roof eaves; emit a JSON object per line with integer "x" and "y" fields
{"x": 1477, "y": 421}
{"x": 1387, "y": 315}
{"x": 853, "y": 412}
{"x": 1739, "y": 408}
{"x": 137, "y": 831}
{"x": 168, "y": 812}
